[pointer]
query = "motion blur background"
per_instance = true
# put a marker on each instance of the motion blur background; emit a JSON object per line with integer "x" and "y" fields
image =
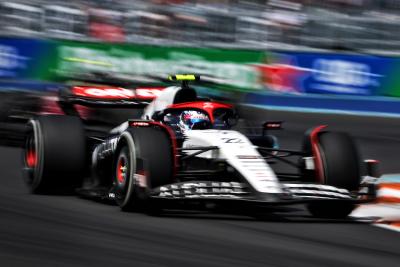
{"x": 300, "y": 47}
{"x": 355, "y": 25}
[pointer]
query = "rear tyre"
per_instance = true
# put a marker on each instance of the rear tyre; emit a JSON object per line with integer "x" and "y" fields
{"x": 341, "y": 168}
{"x": 54, "y": 154}
{"x": 145, "y": 160}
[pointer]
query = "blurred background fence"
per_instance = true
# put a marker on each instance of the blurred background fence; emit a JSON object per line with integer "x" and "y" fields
{"x": 353, "y": 25}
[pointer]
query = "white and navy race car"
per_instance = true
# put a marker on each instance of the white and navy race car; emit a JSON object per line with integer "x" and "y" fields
{"x": 183, "y": 152}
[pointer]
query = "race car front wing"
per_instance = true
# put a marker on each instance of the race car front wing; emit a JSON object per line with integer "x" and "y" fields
{"x": 292, "y": 192}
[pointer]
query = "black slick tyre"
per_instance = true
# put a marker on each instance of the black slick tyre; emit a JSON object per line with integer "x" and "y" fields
{"x": 54, "y": 154}
{"x": 341, "y": 168}
{"x": 144, "y": 160}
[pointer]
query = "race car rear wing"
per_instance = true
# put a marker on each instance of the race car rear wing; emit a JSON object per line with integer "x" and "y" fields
{"x": 117, "y": 91}
{"x": 101, "y": 95}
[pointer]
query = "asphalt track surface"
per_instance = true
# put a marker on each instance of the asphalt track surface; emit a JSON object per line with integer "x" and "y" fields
{"x": 37, "y": 230}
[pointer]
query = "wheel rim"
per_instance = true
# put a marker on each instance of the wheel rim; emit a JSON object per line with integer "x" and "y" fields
{"x": 122, "y": 170}
{"x": 122, "y": 176}
{"x": 31, "y": 154}
{"x": 31, "y": 160}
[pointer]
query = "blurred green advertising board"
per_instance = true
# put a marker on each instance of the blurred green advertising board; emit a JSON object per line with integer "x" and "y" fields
{"x": 234, "y": 69}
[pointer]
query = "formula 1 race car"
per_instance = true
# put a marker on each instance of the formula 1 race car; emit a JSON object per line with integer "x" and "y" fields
{"x": 183, "y": 152}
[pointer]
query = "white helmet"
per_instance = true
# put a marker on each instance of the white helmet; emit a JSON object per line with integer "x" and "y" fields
{"x": 191, "y": 118}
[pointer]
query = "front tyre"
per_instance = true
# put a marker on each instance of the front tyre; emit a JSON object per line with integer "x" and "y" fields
{"x": 339, "y": 167}
{"x": 144, "y": 160}
{"x": 125, "y": 188}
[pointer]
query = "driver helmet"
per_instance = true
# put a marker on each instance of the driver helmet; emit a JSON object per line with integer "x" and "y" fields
{"x": 190, "y": 118}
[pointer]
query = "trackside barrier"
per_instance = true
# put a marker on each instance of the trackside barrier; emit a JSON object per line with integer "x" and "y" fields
{"x": 56, "y": 60}
{"x": 331, "y": 74}
{"x": 293, "y": 79}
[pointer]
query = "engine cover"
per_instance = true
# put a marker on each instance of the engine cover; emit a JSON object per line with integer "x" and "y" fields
{"x": 238, "y": 152}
